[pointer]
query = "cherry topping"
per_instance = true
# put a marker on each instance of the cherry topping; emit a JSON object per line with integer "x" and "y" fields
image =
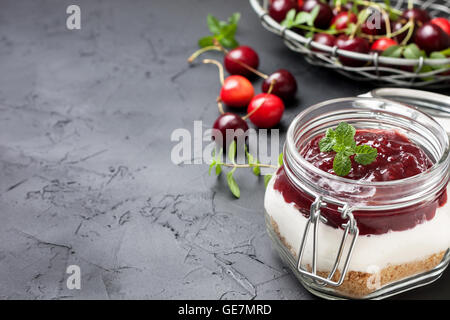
{"x": 397, "y": 158}
{"x": 230, "y": 121}
{"x": 285, "y": 85}
{"x": 343, "y": 19}
{"x": 443, "y": 23}
{"x": 236, "y": 91}
{"x": 243, "y": 54}
{"x": 279, "y": 8}
{"x": 418, "y": 15}
{"x": 382, "y": 44}
{"x": 430, "y": 38}
{"x": 325, "y": 39}
{"x": 359, "y": 45}
{"x": 324, "y": 16}
{"x": 265, "y": 110}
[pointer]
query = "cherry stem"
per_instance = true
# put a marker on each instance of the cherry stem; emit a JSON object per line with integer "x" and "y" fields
{"x": 313, "y": 29}
{"x": 393, "y": 34}
{"x": 386, "y": 7}
{"x": 220, "y": 106}
{"x": 410, "y": 31}
{"x": 218, "y": 47}
{"x": 219, "y": 66}
{"x": 410, "y": 4}
{"x": 202, "y": 50}
{"x": 272, "y": 83}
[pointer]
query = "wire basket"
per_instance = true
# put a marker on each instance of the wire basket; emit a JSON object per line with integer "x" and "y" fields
{"x": 379, "y": 69}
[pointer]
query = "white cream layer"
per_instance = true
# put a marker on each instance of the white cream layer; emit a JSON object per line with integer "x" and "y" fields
{"x": 372, "y": 252}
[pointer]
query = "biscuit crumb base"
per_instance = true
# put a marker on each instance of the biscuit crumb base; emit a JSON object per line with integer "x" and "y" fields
{"x": 359, "y": 284}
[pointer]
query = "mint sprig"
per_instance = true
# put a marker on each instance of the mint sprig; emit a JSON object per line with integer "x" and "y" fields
{"x": 342, "y": 141}
{"x": 222, "y": 31}
{"x": 252, "y": 161}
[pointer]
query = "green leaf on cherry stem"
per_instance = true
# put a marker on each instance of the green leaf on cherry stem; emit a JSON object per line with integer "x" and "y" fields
{"x": 394, "y": 51}
{"x": 267, "y": 178}
{"x": 222, "y": 31}
{"x": 234, "y": 188}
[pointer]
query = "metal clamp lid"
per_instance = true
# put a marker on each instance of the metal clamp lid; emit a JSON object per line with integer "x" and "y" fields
{"x": 350, "y": 227}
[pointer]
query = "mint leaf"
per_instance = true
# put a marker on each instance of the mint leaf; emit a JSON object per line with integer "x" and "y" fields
{"x": 289, "y": 19}
{"x": 206, "y": 41}
{"x": 326, "y": 144}
{"x": 232, "y": 151}
{"x": 439, "y": 55}
{"x": 234, "y": 188}
{"x": 222, "y": 31}
{"x": 412, "y": 51}
{"x": 313, "y": 15}
{"x": 365, "y": 154}
{"x": 302, "y": 18}
{"x": 213, "y": 24}
{"x": 394, "y": 51}
{"x": 342, "y": 164}
{"x": 211, "y": 166}
{"x": 234, "y": 19}
{"x": 445, "y": 52}
{"x": 229, "y": 42}
{"x": 280, "y": 159}
{"x": 256, "y": 169}
{"x": 345, "y": 133}
{"x": 218, "y": 169}
{"x": 342, "y": 141}
{"x": 348, "y": 150}
{"x": 267, "y": 178}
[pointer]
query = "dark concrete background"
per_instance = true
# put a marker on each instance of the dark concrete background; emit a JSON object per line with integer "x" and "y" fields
{"x": 85, "y": 170}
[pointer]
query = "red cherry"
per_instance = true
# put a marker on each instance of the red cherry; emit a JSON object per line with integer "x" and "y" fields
{"x": 325, "y": 39}
{"x": 418, "y": 15}
{"x": 270, "y": 110}
{"x": 230, "y": 121}
{"x": 382, "y": 44}
{"x": 343, "y": 19}
{"x": 242, "y": 54}
{"x": 285, "y": 85}
{"x": 279, "y": 8}
{"x": 324, "y": 16}
{"x": 236, "y": 91}
{"x": 359, "y": 45}
{"x": 443, "y": 23}
{"x": 430, "y": 38}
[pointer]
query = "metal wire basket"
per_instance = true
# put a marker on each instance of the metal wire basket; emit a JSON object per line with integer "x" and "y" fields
{"x": 379, "y": 69}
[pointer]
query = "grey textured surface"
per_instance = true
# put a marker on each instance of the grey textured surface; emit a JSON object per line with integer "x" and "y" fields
{"x": 85, "y": 170}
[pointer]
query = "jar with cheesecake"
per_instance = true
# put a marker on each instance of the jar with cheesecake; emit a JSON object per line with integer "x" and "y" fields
{"x": 353, "y": 227}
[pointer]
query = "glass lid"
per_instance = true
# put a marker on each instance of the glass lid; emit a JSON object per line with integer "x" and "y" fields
{"x": 436, "y": 105}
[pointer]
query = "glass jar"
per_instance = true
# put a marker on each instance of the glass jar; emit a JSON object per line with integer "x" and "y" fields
{"x": 346, "y": 238}
{"x": 434, "y": 104}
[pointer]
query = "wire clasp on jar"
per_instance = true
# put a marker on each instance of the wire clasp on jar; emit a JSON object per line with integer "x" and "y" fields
{"x": 350, "y": 227}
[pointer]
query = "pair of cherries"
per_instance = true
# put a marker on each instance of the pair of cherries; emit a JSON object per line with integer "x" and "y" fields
{"x": 265, "y": 109}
